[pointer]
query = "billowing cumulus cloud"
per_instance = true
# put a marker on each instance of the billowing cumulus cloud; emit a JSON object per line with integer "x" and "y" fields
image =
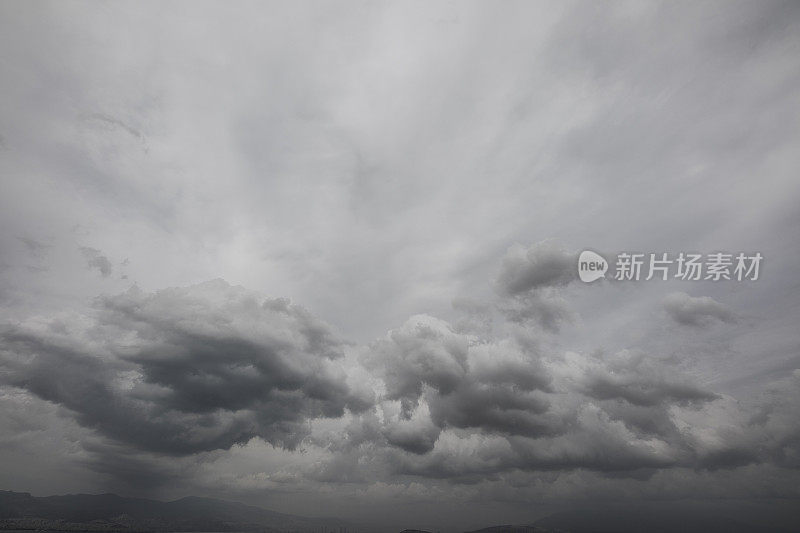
{"x": 461, "y": 400}
{"x": 464, "y": 383}
{"x": 671, "y": 425}
{"x": 613, "y": 413}
{"x": 186, "y": 370}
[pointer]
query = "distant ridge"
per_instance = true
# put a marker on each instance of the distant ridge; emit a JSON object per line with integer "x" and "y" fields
{"x": 654, "y": 520}
{"x": 512, "y": 529}
{"x": 118, "y": 514}
{"x": 651, "y": 519}
{"x": 110, "y": 512}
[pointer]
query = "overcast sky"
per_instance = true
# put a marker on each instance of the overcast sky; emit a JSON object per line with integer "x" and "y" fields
{"x": 322, "y": 257}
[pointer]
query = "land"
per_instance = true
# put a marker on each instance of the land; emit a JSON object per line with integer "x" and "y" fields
{"x": 111, "y": 513}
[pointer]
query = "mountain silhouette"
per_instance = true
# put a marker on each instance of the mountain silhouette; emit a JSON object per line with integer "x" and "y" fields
{"x": 110, "y": 512}
{"x": 650, "y": 519}
{"x": 113, "y": 513}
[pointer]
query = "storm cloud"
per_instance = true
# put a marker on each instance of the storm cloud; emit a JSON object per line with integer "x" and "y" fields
{"x": 530, "y": 411}
{"x": 186, "y": 370}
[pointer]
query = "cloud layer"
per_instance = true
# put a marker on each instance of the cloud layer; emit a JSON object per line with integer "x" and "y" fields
{"x": 186, "y": 371}
{"x": 420, "y": 177}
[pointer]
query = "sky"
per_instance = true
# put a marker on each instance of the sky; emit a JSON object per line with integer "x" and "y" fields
{"x": 322, "y": 257}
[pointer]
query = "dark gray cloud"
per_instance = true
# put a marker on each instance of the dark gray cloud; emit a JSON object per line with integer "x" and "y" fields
{"x": 544, "y": 264}
{"x": 696, "y": 311}
{"x": 531, "y": 281}
{"x": 638, "y": 380}
{"x": 465, "y": 386}
{"x": 187, "y": 370}
{"x": 525, "y": 411}
{"x": 415, "y": 436}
